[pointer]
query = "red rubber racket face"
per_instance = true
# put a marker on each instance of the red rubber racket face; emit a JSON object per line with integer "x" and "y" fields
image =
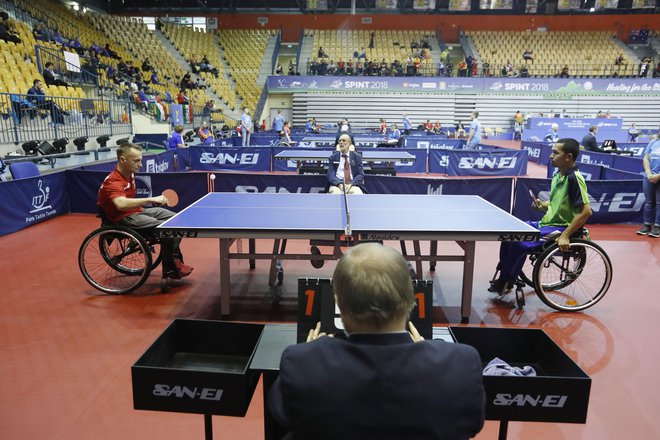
{"x": 172, "y": 197}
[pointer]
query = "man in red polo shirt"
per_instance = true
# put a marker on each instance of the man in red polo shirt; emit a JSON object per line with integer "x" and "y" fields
{"x": 117, "y": 199}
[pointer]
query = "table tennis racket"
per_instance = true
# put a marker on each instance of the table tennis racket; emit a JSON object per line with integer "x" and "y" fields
{"x": 171, "y": 196}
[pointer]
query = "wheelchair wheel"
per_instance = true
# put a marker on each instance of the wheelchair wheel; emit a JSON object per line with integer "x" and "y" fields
{"x": 115, "y": 260}
{"x": 573, "y": 280}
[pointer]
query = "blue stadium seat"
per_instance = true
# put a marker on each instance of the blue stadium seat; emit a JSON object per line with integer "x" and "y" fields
{"x": 23, "y": 170}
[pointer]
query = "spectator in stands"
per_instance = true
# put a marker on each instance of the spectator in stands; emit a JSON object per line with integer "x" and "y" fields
{"x": 321, "y": 53}
{"x": 567, "y": 211}
{"x": 460, "y": 130}
{"x": 528, "y": 55}
{"x": 310, "y": 126}
{"x": 51, "y": 77}
{"x": 552, "y": 135}
{"x": 644, "y": 66}
{"x": 589, "y": 140}
{"x": 204, "y": 133}
{"x": 144, "y": 99}
{"x": 206, "y": 66}
{"x": 395, "y": 135}
{"x": 475, "y": 132}
{"x": 407, "y": 126}
{"x": 278, "y": 122}
{"x": 186, "y": 82}
{"x": 41, "y": 32}
{"x": 400, "y": 385}
{"x": 291, "y": 69}
{"x": 176, "y": 139}
{"x": 280, "y": 71}
{"x": 117, "y": 199}
{"x": 372, "y": 38}
{"x": 651, "y": 187}
{"x": 633, "y": 133}
{"x": 37, "y": 97}
{"x": 345, "y": 172}
{"x": 146, "y": 65}
{"x": 262, "y": 127}
{"x": 428, "y": 126}
{"x": 207, "y": 109}
{"x": 564, "y": 72}
{"x": 246, "y": 127}
{"x": 344, "y": 126}
{"x": 109, "y": 52}
{"x": 382, "y": 128}
{"x": 619, "y": 60}
{"x": 6, "y": 30}
{"x": 462, "y": 68}
{"x": 437, "y": 127}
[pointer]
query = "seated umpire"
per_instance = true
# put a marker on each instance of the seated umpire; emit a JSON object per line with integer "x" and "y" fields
{"x": 119, "y": 204}
{"x": 567, "y": 211}
{"x": 345, "y": 172}
{"x": 381, "y": 381}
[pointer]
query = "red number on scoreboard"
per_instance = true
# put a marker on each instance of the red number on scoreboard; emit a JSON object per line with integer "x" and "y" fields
{"x": 310, "y": 301}
{"x": 421, "y": 305}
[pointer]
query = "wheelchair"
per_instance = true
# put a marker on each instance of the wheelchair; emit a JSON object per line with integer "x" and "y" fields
{"x": 568, "y": 281}
{"x": 117, "y": 260}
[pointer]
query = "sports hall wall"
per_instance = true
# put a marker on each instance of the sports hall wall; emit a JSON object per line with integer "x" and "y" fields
{"x": 449, "y": 25}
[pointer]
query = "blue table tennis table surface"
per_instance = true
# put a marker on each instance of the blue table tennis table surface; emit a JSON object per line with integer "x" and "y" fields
{"x": 386, "y": 216}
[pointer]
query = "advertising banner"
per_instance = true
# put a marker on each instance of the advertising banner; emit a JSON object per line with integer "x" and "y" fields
{"x": 614, "y": 174}
{"x": 636, "y": 148}
{"x": 554, "y": 86}
{"x": 589, "y": 171}
{"x": 616, "y": 201}
{"x": 627, "y": 163}
{"x": 433, "y": 142}
{"x": 83, "y": 187}
{"x": 502, "y": 162}
{"x": 237, "y": 159}
{"x": 596, "y": 158}
{"x": 26, "y": 202}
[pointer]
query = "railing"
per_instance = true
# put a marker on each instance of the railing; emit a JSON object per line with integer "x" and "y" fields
{"x": 484, "y": 70}
{"x": 22, "y": 119}
{"x": 82, "y": 75}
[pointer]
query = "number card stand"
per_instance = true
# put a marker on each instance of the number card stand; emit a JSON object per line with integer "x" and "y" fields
{"x": 316, "y": 302}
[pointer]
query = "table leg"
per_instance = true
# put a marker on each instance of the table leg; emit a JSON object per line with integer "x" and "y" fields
{"x": 504, "y": 427}
{"x": 225, "y": 288}
{"x": 252, "y": 250}
{"x": 434, "y": 252}
{"x": 208, "y": 427}
{"x": 417, "y": 250}
{"x": 468, "y": 278}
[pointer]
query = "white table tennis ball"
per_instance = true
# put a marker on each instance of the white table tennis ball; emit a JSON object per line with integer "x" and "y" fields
{"x": 212, "y": 176}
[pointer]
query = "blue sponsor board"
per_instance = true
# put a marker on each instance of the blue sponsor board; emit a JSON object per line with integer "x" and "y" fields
{"x": 616, "y": 201}
{"x": 613, "y": 174}
{"x": 239, "y": 159}
{"x": 626, "y": 163}
{"x": 596, "y": 158}
{"x": 501, "y": 162}
{"x": 637, "y": 149}
{"x": 549, "y": 86}
{"x": 151, "y": 163}
{"x": 588, "y": 171}
{"x": 82, "y": 186}
{"x": 433, "y": 142}
{"x": 574, "y": 123}
{"x": 26, "y": 202}
{"x": 534, "y": 150}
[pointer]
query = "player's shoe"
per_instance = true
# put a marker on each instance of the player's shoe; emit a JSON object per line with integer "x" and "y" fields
{"x": 500, "y": 287}
{"x": 644, "y": 230}
{"x": 655, "y": 232}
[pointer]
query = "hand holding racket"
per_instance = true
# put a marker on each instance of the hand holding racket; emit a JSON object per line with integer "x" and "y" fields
{"x": 535, "y": 200}
{"x": 171, "y": 197}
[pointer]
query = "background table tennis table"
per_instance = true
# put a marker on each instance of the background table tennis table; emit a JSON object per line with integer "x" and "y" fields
{"x": 373, "y": 217}
{"x": 376, "y": 155}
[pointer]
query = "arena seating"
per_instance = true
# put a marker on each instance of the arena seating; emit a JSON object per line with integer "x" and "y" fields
{"x": 194, "y": 45}
{"x": 131, "y": 34}
{"x": 390, "y": 45}
{"x": 585, "y": 53}
{"x": 244, "y": 51}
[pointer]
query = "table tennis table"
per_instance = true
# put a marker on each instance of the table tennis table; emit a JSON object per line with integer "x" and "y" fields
{"x": 342, "y": 220}
{"x": 376, "y": 155}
